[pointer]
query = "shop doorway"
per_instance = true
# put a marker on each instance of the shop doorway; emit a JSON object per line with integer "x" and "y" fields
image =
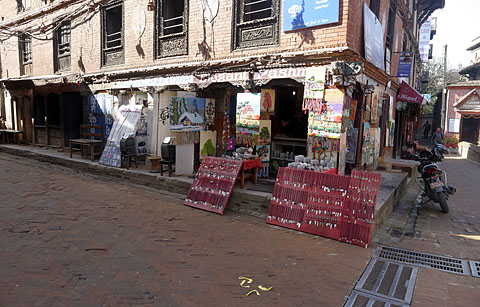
{"x": 73, "y": 115}
{"x": 470, "y": 130}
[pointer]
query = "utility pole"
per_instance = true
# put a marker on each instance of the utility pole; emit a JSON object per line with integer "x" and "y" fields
{"x": 444, "y": 90}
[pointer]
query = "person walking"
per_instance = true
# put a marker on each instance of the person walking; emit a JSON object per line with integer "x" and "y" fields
{"x": 437, "y": 137}
{"x": 426, "y": 129}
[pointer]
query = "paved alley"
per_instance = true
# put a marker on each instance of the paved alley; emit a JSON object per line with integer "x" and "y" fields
{"x": 69, "y": 239}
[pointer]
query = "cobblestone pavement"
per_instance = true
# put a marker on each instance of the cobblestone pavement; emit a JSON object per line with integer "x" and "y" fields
{"x": 69, "y": 239}
{"x": 455, "y": 234}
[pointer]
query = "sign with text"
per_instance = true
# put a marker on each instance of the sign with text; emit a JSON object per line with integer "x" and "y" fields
{"x": 405, "y": 64}
{"x": 424, "y": 40}
{"x": 299, "y": 14}
{"x": 374, "y": 51}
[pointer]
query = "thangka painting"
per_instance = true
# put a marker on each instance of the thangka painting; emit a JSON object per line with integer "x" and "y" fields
{"x": 374, "y": 107}
{"x": 328, "y": 121}
{"x": 267, "y": 103}
{"x": 248, "y": 113}
{"x": 187, "y": 114}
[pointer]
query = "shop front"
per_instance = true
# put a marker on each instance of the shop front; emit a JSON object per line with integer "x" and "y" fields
{"x": 468, "y": 125}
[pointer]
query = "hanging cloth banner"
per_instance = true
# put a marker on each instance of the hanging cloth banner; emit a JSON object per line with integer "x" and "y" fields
{"x": 314, "y": 89}
{"x": 185, "y": 137}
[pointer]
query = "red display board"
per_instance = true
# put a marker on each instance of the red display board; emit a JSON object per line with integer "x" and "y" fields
{"x": 329, "y": 205}
{"x": 213, "y": 184}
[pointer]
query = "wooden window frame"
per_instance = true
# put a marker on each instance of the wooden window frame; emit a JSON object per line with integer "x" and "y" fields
{"x": 115, "y": 55}
{"x": 63, "y": 31}
{"x": 170, "y": 44}
{"x": 262, "y": 32}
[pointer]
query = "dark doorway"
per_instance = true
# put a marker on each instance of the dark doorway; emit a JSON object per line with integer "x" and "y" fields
{"x": 470, "y": 130}
{"x": 73, "y": 115}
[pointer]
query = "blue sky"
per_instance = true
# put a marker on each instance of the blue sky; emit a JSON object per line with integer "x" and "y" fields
{"x": 457, "y": 25}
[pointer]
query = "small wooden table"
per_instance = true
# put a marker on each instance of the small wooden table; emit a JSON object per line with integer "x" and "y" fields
{"x": 15, "y": 133}
{"x": 90, "y": 144}
{"x": 254, "y": 165}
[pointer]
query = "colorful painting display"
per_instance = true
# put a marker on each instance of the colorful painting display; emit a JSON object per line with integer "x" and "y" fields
{"x": 187, "y": 114}
{"x": 208, "y": 142}
{"x": 263, "y": 152}
{"x": 374, "y": 106}
{"x": 366, "y": 143}
{"x": 328, "y": 122}
{"x": 267, "y": 102}
{"x": 265, "y": 132}
{"x": 314, "y": 88}
{"x": 100, "y": 108}
{"x": 248, "y": 113}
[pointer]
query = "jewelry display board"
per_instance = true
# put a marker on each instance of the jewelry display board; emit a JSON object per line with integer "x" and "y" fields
{"x": 329, "y": 205}
{"x": 213, "y": 184}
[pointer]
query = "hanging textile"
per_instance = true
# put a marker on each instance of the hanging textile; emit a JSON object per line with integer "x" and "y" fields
{"x": 185, "y": 137}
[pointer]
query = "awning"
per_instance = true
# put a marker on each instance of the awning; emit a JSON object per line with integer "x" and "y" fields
{"x": 407, "y": 93}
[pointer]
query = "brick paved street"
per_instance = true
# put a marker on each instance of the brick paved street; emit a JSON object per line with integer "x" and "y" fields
{"x": 71, "y": 239}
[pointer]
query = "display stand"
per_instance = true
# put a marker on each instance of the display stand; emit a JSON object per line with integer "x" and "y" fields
{"x": 329, "y": 205}
{"x": 213, "y": 184}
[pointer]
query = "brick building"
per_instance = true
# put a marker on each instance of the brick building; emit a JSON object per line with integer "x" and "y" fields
{"x": 68, "y": 62}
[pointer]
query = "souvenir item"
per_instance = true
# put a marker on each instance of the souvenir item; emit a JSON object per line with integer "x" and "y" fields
{"x": 314, "y": 89}
{"x": 213, "y": 184}
{"x": 248, "y": 117}
{"x": 329, "y": 205}
{"x": 187, "y": 114}
{"x": 267, "y": 102}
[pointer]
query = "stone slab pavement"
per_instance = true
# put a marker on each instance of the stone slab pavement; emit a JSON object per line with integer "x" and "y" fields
{"x": 71, "y": 239}
{"x": 455, "y": 234}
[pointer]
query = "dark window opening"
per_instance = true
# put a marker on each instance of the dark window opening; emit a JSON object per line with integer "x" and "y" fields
{"x": 391, "y": 26}
{"x": 173, "y": 17}
{"x": 375, "y": 7}
{"x": 23, "y": 5}
{"x": 62, "y": 47}
{"x": 112, "y": 33}
{"x": 257, "y": 9}
{"x": 405, "y": 43}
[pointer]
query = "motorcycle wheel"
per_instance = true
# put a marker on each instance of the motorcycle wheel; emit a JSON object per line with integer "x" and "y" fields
{"x": 443, "y": 202}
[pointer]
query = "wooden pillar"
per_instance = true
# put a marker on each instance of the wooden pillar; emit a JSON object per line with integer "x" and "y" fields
{"x": 62, "y": 120}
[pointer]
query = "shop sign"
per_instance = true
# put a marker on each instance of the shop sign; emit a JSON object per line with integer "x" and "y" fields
{"x": 405, "y": 64}
{"x": 374, "y": 52}
{"x": 408, "y": 94}
{"x": 424, "y": 40}
{"x": 154, "y": 82}
{"x": 266, "y": 74}
{"x": 299, "y": 14}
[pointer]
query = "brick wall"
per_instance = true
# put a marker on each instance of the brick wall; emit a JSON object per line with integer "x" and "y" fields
{"x": 86, "y": 40}
{"x": 454, "y": 94}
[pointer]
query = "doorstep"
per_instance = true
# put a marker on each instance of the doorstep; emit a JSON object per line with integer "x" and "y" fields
{"x": 255, "y": 203}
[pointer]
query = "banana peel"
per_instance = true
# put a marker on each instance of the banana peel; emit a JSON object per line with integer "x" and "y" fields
{"x": 252, "y": 292}
{"x": 264, "y": 288}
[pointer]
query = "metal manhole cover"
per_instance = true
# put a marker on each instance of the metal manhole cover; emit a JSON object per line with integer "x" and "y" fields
{"x": 360, "y": 299}
{"x": 436, "y": 262}
{"x": 389, "y": 280}
{"x": 475, "y": 267}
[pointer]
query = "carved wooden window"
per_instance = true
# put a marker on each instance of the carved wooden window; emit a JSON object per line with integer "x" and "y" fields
{"x": 112, "y": 33}
{"x": 61, "y": 42}
{"x": 255, "y": 23}
{"x": 25, "y": 47}
{"x": 171, "y": 28}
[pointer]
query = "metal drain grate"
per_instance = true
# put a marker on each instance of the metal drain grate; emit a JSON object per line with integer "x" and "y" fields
{"x": 389, "y": 280}
{"x": 475, "y": 267}
{"x": 436, "y": 262}
{"x": 360, "y": 299}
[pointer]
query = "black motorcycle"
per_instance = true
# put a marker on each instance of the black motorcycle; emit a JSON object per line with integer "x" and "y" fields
{"x": 434, "y": 179}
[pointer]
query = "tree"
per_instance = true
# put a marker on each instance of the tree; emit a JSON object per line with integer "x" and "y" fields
{"x": 208, "y": 148}
{"x": 264, "y": 134}
{"x": 434, "y": 71}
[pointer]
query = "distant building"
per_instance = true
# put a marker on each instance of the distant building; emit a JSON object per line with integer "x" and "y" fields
{"x": 463, "y": 102}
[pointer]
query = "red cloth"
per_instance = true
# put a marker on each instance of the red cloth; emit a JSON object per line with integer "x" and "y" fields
{"x": 249, "y": 164}
{"x": 330, "y": 171}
